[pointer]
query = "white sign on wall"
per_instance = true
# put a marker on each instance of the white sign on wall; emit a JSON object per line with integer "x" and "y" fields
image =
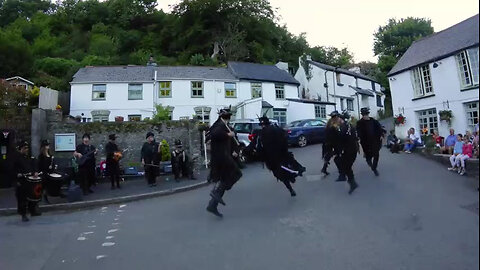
{"x": 65, "y": 142}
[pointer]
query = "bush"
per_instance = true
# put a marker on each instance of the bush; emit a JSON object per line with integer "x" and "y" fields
{"x": 165, "y": 151}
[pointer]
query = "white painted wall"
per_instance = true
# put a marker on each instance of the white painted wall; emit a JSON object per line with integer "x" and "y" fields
{"x": 48, "y": 99}
{"x": 299, "y": 111}
{"x": 446, "y": 87}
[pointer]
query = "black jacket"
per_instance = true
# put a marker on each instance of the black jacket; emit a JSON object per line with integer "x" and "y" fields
{"x": 273, "y": 145}
{"x": 110, "y": 149}
{"x": 370, "y": 133}
{"x": 44, "y": 164}
{"x": 24, "y": 164}
{"x": 85, "y": 149}
{"x": 149, "y": 153}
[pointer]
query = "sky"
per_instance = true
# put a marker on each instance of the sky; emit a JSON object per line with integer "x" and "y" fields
{"x": 351, "y": 23}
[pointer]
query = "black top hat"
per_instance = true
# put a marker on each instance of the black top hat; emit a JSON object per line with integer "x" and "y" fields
{"x": 225, "y": 113}
{"x": 334, "y": 114}
{"x": 364, "y": 111}
{"x": 345, "y": 115}
{"x": 45, "y": 143}
{"x": 178, "y": 143}
{"x": 112, "y": 137}
{"x": 22, "y": 144}
{"x": 149, "y": 134}
{"x": 86, "y": 135}
{"x": 264, "y": 121}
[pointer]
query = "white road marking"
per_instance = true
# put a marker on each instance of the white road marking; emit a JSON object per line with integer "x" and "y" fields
{"x": 87, "y": 233}
{"x": 110, "y": 237}
{"x": 112, "y": 230}
{"x": 81, "y": 238}
{"x": 116, "y": 219}
{"x": 92, "y": 226}
{"x": 104, "y": 208}
{"x": 63, "y": 261}
{"x": 101, "y": 257}
{"x": 120, "y": 211}
{"x": 108, "y": 244}
{"x": 93, "y": 221}
{"x": 123, "y": 205}
{"x": 115, "y": 223}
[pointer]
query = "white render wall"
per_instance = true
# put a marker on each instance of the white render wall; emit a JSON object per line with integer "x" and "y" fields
{"x": 300, "y": 111}
{"x": 446, "y": 87}
{"x": 316, "y": 88}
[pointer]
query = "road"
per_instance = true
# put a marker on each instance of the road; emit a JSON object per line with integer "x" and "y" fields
{"x": 415, "y": 215}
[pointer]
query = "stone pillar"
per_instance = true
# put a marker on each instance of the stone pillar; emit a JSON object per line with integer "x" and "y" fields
{"x": 39, "y": 130}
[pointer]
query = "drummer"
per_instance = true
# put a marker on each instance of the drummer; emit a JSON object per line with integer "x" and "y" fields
{"x": 24, "y": 164}
{"x": 113, "y": 167}
{"x": 47, "y": 166}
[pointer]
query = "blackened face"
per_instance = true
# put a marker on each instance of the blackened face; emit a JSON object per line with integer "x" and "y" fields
{"x": 86, "y": 140}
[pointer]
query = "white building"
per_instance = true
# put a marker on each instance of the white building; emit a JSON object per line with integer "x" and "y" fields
{"x": 132, "y": 92}
{"x": 339, "y": 89}
{"x": 438, "y": 73}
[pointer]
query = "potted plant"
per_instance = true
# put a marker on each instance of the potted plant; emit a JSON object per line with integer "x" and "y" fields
{"x": 118, "y": 118}
{"x": 165, "y": 162}
{"x": 399, "y": 120}
{"x": 446, "y": 115}
{"x": 58, "y": 107}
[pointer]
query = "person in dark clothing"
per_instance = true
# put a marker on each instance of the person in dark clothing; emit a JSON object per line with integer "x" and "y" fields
{"x": 113, "y": 166}
{"x": 85, "y": 154}
{"x": 347, "y": 151}
{"x": 46, "y": 165}
{"x": 181, "y": 162}
{"x": 273, "y": 146}
{"x": 393, "y": 143}
{"x": 150, "y": 157}
{"x": 224, "y": 170}
{"x": 370, "y": 132}
{"x": 24, "y": 165}
{"x": 331, "y": 138}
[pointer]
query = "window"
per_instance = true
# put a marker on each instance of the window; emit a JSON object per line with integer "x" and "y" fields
{"x": 428, "y": 120}
{"x": 472, "y": 114}
{"x": 197, "y": 89}
{"x": 379, "y": 101}
{"x": 279, "y": 91}
{"x": 320, "y": 111}
{"x": 422, "y": 82}
{"x": 99, "y": 118}
{"x": 350, "y": 104}
{"x": 230, "y": 90}
{"x": 342, "y": 104}
{"x": 165, "y": 89}
{"x": 242, "y": 127}
{"x": 99, "y": 92}
{"x": 316, "y": 123}
{"x": 373, "y": 86}
{"x": 256, "y": 89}
{"x": 467, "y": 62}
{"x": 202, "y": 114}
{"x": 135, "y": 118}
{"x": 135, "y": 91}
{"x": 338, "y": 77}
{"x": 281, "y": 116}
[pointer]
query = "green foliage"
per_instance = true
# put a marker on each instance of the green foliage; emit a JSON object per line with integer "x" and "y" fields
{"x": 161, "y": 114}
{"x": 165, "y": 151}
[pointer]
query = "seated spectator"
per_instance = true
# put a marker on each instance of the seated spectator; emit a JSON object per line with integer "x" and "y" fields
{"x": 393, "y": 143}
{"x": 469, "y": 135}
{"x": 449, "y": 142}
{"x": 438, "y": 139}
{"x": 475, "y": 144}
{"x": 413, "y": 140}
{"x": 457, "y": 150}
{"x": 467, "y": 152}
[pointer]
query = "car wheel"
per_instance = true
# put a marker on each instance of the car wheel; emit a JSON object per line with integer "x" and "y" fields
{"x": 302, "y": 141}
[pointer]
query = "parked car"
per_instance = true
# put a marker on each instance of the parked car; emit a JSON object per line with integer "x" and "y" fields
{"x": 246, "y": 131}
{"x": 303, "y": 132}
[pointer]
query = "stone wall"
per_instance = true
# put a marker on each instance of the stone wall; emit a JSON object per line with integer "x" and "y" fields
{"x": 131, "y": 136}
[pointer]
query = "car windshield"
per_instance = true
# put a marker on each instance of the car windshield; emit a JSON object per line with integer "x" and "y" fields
{"x": 296, "y": 124}
{"x": 243, "y": 127}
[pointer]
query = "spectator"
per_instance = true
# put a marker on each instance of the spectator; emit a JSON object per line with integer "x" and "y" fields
{"x": 393, "y": 143}
{"x": 457, "y": 150}
{"x": 469, "y": 135}
{"x": 438, "y": 139}
{"x": 475, "y": 144}
{"x": 467, "y": 152}
{"x": 449, "y": 142}
{"x": 413, "y": 140}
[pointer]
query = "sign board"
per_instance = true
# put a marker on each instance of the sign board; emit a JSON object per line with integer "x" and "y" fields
{"x": 65, "y": 142}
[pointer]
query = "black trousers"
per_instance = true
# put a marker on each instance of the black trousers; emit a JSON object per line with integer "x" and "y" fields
{"x": 23, "y": 204}
{"x": 345, "y": 164}
{"x": 372, "y": 158}
{"x": 113, "y": 171}
{"x": 87, "y": 177}
{"x": 182, "y": 167}
{"x": 151, "y": 174}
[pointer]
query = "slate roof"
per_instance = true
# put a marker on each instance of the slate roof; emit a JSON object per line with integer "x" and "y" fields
{"x": 194, "y": 72}
{"x": 310, "y": 101}
{"x": 260, "y": 72}
{"x": 439, "y": 45}
{"x": 341, "y": 70}
{"x": 114, "y": 74}
{"x": 266, "y": 104}
{"x": 362, "y": 91}
{"x": 20, "y": 79}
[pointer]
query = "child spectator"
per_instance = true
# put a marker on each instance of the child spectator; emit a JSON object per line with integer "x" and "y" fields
{"x": 457, "y": 150}
{"x": 467, "y": 152}
{"x": 438, "y": 139}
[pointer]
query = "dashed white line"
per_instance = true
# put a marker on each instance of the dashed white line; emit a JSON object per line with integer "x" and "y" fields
{"x": 123, "y": 205}
{"x": 92, "y": 226}
{"x": 87, "y": 232}
{"x": 109, "y": 237}
{"x": 112, "y": 230}
{"x": 108, "y": 244}
{"x": 115, "y": 223}
{"x": 101, "y": 257}
{"x": 81, "y": 238}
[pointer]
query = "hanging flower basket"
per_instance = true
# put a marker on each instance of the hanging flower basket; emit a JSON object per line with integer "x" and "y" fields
{"x": 446, "y": 115}
{"x": 399, "y": 120}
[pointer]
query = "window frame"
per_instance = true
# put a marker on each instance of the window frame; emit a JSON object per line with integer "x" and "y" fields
{"x": 169, "y": 89}
{"x": 104, "y": 91}
{"x": 254, "y": 88}
{"x": 100, "y": 118}
{"x": 279, "y": 89}
{"x": 192, "y": 89}
{"x": 320, "y": 111}
{"x": 424, "y": 120}
{"x": 468, "y": 67}
{"x": 348, "y": 102}
{"x": 422, "y": 84}
{"x": 469, "y": 113}
{"x": 379, "y": 100}
{"x": 276, "y": 116}
{"x": 132, "y": 90}
{"x": 234, "y": 89}
{"x": 130, "y": 116}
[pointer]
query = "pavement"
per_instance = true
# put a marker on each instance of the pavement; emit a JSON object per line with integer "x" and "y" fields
{"x": 133, "y": 188}
{"x": 415, "y": 215}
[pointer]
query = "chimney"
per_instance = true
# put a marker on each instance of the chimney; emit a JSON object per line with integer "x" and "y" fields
{"x": 282, "y": 66}
{"x": 355, "y": 69}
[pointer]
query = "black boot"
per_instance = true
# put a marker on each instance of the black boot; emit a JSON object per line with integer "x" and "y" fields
{"x": 25, "y": 218}
{"x": 375, "y": 172}
{"x": 324, "y": 169}
{"x": 353, "y": 185}
{"x": 301, "y": 170}
{"x": 290, "y": 188}
{"x": 212, "y": 208}
{"x": 341, "y": 178}
{"x": 217, "y": 194}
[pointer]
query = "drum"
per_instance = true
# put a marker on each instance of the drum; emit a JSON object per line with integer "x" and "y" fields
{"x": 34, "y": 188}
{"x": 53, "y": 183}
